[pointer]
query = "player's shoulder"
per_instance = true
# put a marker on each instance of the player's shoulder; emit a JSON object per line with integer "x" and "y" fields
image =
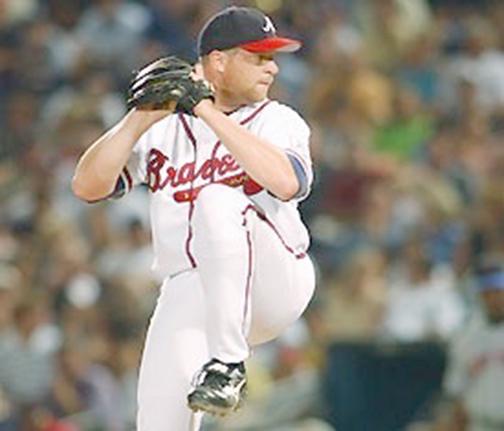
{"x": 158, "y": 132}
{"x": 161, "y": 125}
{"x": 283, "y": 109}
{"x": 167, "y": 125}
{"x": 285, "y": 115}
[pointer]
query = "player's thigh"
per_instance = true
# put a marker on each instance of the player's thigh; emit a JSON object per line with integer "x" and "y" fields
{"x": 175, "y": 348}
{"x": 282, "y": 285}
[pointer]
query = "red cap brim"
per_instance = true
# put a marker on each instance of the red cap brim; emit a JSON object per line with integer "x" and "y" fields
{"x": 272, "y": 44}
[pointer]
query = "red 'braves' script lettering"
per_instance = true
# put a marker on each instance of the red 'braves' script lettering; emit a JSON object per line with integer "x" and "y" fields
{"x": 250, "y": 187}
{"x": 161, "y": 173}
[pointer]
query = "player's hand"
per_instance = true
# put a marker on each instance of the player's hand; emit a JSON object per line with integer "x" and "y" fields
{"x": 202, "y": 107}
{"x": 199, "y": 75}
{"x": 164, "y": 81}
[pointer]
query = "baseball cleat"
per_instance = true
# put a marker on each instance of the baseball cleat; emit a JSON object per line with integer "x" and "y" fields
{"x": 219, "y": 388}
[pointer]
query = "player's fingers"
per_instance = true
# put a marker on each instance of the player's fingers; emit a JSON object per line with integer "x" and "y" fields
{"x": 198, "y": 75}
{"x": 198, "y": 72}
{"x": 157, "y": 110}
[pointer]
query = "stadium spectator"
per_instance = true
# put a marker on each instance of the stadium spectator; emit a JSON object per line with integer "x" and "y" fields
{"x": 476, "y": 371}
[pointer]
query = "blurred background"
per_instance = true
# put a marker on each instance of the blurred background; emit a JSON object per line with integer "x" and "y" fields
{"x": 406, "y": 102}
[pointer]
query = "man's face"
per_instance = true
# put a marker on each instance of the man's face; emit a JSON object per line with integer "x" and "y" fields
{"x": 248, "y": 76}
{"x": 493, "y": 302}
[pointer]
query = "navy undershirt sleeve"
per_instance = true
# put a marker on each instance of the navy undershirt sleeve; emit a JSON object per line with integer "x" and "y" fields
{"x": 300, "y": 175}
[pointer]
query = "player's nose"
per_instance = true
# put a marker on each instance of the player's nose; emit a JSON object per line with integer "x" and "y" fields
{"x": 272, "y": 67}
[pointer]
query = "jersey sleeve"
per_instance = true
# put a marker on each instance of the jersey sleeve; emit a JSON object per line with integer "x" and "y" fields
{"x": 135, "y": 170}
{"x": 283, "y": 127}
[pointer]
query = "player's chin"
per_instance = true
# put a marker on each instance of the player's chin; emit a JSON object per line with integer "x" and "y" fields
{"x": 260, "y": 92}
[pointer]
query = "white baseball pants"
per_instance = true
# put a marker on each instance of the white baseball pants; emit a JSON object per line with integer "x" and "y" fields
{"x": 247, "y": 288}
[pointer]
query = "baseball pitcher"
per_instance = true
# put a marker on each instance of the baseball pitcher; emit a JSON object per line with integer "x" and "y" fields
{"x": 225, "y": 167}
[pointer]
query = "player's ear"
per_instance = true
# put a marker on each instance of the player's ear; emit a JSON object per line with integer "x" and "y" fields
{"x": 217, "y": 60}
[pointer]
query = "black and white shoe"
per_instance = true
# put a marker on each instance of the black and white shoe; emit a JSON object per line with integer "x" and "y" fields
{"x": 219, "y": 388}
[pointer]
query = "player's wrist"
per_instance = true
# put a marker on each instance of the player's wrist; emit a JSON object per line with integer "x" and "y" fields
{"x": 141, "y": 119}
{"x": 203, "y": 107}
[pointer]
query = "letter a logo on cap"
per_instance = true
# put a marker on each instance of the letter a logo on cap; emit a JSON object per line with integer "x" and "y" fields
{"x": 268, "y": 26}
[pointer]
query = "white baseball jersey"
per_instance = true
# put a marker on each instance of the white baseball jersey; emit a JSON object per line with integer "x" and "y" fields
{"x": 180, "y": 155}
{"x": 232, "y": 256}
{"x": 476, "y": 374}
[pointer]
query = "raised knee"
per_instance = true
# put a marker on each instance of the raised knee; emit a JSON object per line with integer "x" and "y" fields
{"x": 218, "y": 199}
{"x": 220, "y": 207}
{"x": 215, "y": 193}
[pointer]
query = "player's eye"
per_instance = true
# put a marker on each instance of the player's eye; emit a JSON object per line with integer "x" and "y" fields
{"x": 265, "y": 58}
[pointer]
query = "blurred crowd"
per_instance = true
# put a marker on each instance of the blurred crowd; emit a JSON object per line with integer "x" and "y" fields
{"x": 406, "y": 102}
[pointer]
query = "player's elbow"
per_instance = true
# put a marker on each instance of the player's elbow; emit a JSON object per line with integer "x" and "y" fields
{"x": 82, "y": 190}
{"x": 288, "y": 188}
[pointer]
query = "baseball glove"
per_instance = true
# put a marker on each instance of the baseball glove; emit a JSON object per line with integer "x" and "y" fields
{"x": 164, "y": 82}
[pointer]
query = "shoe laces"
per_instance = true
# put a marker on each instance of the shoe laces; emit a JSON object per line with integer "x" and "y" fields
{"x": 216, "y": 373}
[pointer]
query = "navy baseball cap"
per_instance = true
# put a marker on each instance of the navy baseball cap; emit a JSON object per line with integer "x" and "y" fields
{"x": 243, "y": 27}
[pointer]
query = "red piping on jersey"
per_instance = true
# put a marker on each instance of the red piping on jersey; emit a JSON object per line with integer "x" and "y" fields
{"x": 275, "y": 230}
{"x": 213, "y": 157}
{"x": 191, "y": 202}
{"x": 242, "y": 122}
{"x": 248, "y": 284}
{"x": 128, "y": 178}
{"x": 259, "y": 109}
{"x": 192, "y": 138}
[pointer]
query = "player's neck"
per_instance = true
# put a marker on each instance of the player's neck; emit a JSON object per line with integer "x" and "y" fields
{"x": 227, "y": 103}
